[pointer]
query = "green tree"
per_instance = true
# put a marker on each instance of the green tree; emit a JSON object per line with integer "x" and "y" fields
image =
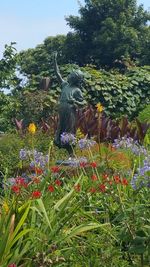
{"x": 106, "y": 30}
{"x": 8, "y": 66}
{"x": 38, "y": 61}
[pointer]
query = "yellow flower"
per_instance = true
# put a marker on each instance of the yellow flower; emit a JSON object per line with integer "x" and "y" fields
{"x": 5, "y": 206}
{"x": 99, "y": 107}
{"x": 32, "y": 128}
{"x": 79, "y": 134}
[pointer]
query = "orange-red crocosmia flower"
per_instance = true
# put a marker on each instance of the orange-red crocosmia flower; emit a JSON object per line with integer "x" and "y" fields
{"x": 36, "y": 180}
{"x": 38, "y": 171}
{"x": 77, "y": 188}
{"x": 124, "y": 181}
{"x": 51, "y": 188}
{"x": 105, "y": 176}
{"x": 92, "y": 190}
{"x": 94, "y": 177}
{"x": 83, "y": 164}
{"x": 117, "y": 179}
{"x": 93, "y": 164}
{"x": 58, "y": 182}
{"x": 55, "y": 169}
{"x": 102, "y": 187}
{"x": 20, "y": 181}
{"x": 12, "y": 265}
{"x": 36, "y": 194}
{"x": 15, "y": 189}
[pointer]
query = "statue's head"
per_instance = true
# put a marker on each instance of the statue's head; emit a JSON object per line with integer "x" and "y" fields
{"x": 75, "y": 77}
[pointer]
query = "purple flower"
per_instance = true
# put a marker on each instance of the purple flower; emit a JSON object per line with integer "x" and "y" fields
{"x": 36, "y": 158}
{"x": 75, "y": 162}
{"x": 129, "y": 143}
{"x": 86, "y": 143}
{"x": 68, "y": 138}
{"x": 23, "y": 154}
{"x": 142, "y": 177}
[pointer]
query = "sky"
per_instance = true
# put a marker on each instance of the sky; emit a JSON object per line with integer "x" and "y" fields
{"x": 29, "y": 22}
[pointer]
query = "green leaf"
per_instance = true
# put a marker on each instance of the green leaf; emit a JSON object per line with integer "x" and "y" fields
{"x": 79, "y": 230}
{"x": 43, "y": 210}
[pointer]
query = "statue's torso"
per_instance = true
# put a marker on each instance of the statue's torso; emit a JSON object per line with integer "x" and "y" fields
{"x": 67, "y": 93}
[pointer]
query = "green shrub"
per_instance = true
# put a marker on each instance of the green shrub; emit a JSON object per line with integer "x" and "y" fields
{"x": 144, "y": 115}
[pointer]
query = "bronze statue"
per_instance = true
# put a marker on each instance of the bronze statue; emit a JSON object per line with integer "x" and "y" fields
{"x": 71, "y": 98}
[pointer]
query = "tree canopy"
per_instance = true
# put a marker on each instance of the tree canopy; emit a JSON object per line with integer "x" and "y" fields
{"x": 107, "y": 30}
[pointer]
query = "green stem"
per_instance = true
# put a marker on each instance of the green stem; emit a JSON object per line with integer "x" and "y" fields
{"x": 123, "y": 210}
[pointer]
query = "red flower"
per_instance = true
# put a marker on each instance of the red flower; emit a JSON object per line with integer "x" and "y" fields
{"x": 12, "y": 265}
{"x": 51, "y": 188}
{"x": 105, "y": 176}
{"x": 36, "y": 180}
{"x": 124, "y": 181}
{"x": 83, "y": 164}
{"x": 15, "y": 189}
{"x": 92, "y": 190}
{"x": 36, "y": 194}
{"x": 21, "y": 182}
{"x": 102, "y": 187}
{"x": 117, "y": 179}
{"x": 58, "y": 182}
{"x": 94, "y": 177}
{"x": 38, "y": 170}
{"x": 93, "y": 164}
{"x": 110, "y": 182}
{"x": 55, "y": 169}
{"x": 77, "y": 188}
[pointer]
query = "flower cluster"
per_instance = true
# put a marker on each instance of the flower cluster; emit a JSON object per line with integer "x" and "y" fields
{"x": 23, "y": 154}
{"x": 86, "y": 143}
{"x": 68, "y": 138}
{"x": 129, "y": 143}
{"x": 36, "y": 194}
{"x": 37, "y": 158}
{"x": 142, "y": 177}
{"x": 105, "y": 184}
{"x": 76, "y": 162}
{"x": 18, "y": 183}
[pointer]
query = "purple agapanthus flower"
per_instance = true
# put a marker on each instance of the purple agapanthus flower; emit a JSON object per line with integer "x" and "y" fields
{"x": 36, "y": 158}
{"x": 86, "y": 143}
{"x": 130, "y": 143}
{"x": 142, "y": 177}
{"x": 68, "y": 138}
{"x": 23, "y": 154}
{"x": 75, "y": 162}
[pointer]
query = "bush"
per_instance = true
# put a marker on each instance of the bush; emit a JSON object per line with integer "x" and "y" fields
{"x": 144, "y": 115}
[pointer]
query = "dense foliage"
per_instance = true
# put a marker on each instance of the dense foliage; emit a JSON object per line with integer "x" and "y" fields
{"x": 8, "y": 65}
{"x": 107, "y": 31}
{"x": 119, "y": 93}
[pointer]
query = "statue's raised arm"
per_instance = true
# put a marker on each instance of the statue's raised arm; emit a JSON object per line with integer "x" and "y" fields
{"x": 57, "y": 72}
